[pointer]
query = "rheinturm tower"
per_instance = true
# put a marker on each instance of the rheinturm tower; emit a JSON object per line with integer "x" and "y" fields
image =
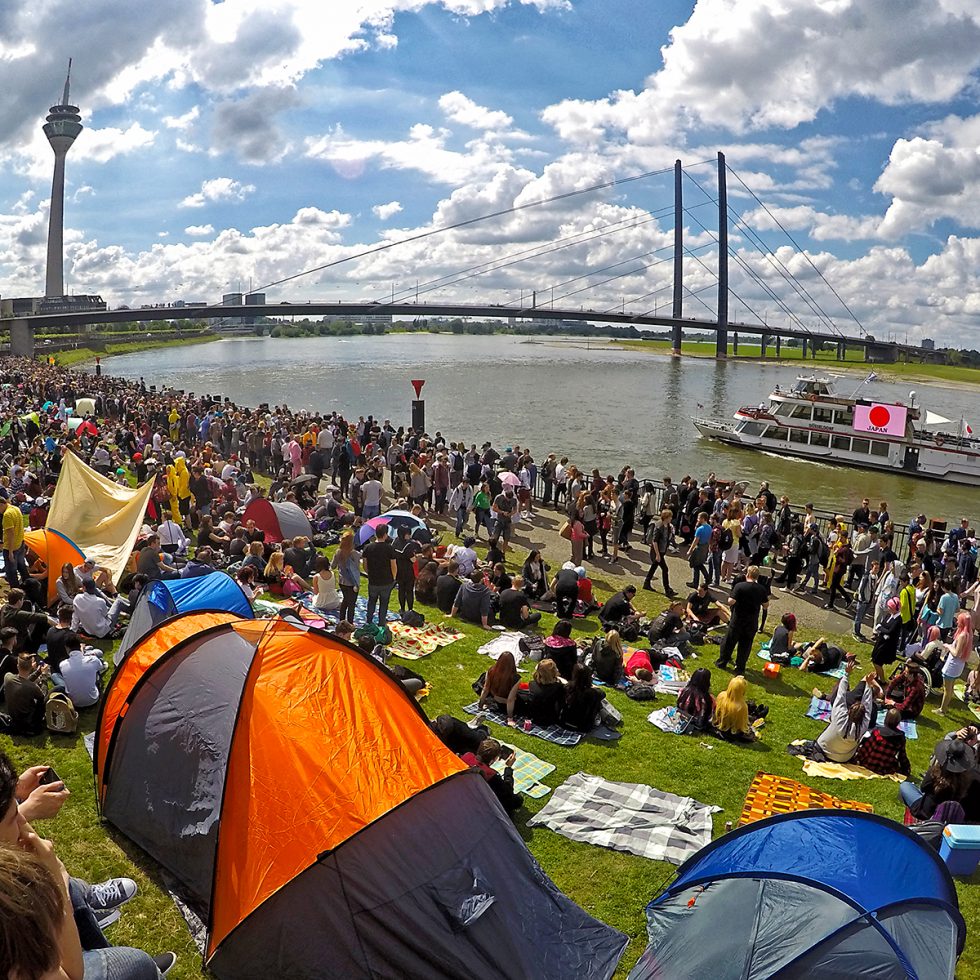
{"x": 62, "y": 126}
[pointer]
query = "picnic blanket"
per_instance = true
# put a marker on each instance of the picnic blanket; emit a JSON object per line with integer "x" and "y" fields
{"x": 305, "y": 600}
{"x": 416, "y": 642}
{"x": 960, "y": 691}
{"x": 627, "y": 817}
{"x": 671, "y": 680}
{"x": 529, "y": 770}
{"x": 553, "y": 733}
{"x": 769, "y": 795}
{"x": 841, "y": 770}
{"x": 838, "y": 671}
{"x": 819, "y": 710}
{"x": 509, "y": 642}
{"x": 671, "y": 720}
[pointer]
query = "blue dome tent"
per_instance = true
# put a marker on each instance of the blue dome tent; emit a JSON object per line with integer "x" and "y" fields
{"x": 818, "y": 893}
{"x": 160, "y": 600}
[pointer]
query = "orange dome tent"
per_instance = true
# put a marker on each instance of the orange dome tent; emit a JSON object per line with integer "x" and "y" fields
{"x": 54, "y": 549}
{"x": 314, "y": 820}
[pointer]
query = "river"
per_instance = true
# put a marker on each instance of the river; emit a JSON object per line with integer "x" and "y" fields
{"x": 599, "y": 405}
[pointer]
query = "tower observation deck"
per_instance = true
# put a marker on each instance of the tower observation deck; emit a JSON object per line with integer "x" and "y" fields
{"x": 62, "y": 126}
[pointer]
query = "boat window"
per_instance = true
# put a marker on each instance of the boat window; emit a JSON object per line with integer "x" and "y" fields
{"x": 823, "y": 415}
{"x": 801, "y": 412}
{"x": 844, "y": 416}
{"x": 781, "y": 409}
{"x": 752, "y": 428}
{"x": 841, "y": 442}
{"x": 860, "y": 446}
{"x": 799, "y": 435}
{"x": 819, "y": 439}
{"x": 879, "y": 448}
{"x": 777, "y": 432}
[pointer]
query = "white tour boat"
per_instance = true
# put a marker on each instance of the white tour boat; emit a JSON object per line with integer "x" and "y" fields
{"x": 813, "y": 421}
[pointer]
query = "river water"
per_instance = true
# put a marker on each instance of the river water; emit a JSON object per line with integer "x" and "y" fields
{"x": 599, "y": 405}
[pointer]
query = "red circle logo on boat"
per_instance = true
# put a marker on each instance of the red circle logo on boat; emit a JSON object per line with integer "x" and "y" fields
{"x": 879, "y": 416}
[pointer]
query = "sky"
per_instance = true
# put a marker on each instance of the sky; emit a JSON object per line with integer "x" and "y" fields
{"x": 229, "y": 146}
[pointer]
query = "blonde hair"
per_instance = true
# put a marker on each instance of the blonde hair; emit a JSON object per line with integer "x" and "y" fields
{"x": 274, "y": 566}
{"x": 347, "y": 541}
{"x": 546, "y": 672}
{"x": 731, "y": 709}
{"x": 31, "y": 910}
{"x": 615, "y": 642}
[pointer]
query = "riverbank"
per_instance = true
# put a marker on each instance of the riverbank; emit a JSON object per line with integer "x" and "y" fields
{"x": 82, "y": 355}
{"x": 965, "y": 377}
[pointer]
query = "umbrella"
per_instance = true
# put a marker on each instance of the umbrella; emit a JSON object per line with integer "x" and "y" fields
{"x": 305, "y": 478}
{"x": 509, "y": 479}
{"x": 85, "y": 406}
{"x": 366, "y": 531}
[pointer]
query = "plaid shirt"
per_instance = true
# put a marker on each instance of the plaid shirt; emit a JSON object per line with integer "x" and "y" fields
{"x": 912, "y": 693}
{"x": 883, "y": 755}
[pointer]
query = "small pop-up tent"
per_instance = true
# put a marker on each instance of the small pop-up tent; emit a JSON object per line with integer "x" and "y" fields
{"x": 278, "y": 520}
{"x": 299, "y": 796}
{"x": 54, "y": 549}
{"x": 829, "y": 894}
{"x": 101, "y": 517}
{"x": 217, "y": 592}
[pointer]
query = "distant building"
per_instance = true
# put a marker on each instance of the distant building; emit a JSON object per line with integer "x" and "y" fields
{"x": 928, "y": 343}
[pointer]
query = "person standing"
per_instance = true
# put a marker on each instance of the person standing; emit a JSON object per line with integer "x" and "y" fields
{"x": 14, "y": 552}
{"x": 504, "y": 508}
{"x": 864, "y": 596}
{"x": 747, "y": 600}
{"x": 347, "y": 562}
{"x": 381, "y": 568}
{"x": 460, "y": 504}
{"x": 661, "y": 538}
{"x": 697, "y": 555}
{"x": 406, "y": 549}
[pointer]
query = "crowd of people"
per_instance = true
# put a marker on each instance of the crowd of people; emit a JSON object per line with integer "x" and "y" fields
{"x": 920, "y": 602}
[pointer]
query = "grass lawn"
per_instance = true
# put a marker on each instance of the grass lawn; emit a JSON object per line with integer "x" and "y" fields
{"x": 81, "y": 355}
{"x": 612, "y": 886}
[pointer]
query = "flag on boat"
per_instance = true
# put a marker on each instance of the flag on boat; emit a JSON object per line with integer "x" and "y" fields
{"x": 966, "y": 430}
{"x": 871, "y": 377}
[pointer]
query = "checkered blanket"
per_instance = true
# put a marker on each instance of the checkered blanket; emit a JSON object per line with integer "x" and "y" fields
{"x": 771, "y": 794}
{"x": 305, "y": 599}
{"x": 627, "y": 817}
{"x": 529, "y": 770}
{"x": 553, "y": 733}
{"x": 819, "y": 710}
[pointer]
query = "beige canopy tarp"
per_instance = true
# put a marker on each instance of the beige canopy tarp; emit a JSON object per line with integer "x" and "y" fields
{"x": 101, "y": 517}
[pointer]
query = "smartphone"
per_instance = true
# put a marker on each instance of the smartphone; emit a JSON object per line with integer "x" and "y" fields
{"x": 49, "y": 777}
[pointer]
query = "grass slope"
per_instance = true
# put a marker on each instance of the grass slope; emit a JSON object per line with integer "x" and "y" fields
{"x": 612, "y": 886}
{"x": 81, "y": 355}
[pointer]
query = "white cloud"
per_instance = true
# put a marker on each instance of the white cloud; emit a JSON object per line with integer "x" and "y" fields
{"x": 386, "y": 211}
{"x": 199, "y": 231}
{"x": 183, "y": 122}
{"x": 218, "y": 189}
{"x": 754, "y": 64}
{"x": 460, "y": 109}
{"x": 819, "y": 225}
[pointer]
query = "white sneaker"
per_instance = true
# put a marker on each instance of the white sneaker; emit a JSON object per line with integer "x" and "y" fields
{"x": 109, "y": 895}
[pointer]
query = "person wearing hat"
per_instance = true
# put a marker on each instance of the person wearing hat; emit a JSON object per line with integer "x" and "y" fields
{"x": 951, "y": 776}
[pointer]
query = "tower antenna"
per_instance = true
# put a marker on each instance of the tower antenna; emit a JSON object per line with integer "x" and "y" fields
{"x": 66, "y": 96}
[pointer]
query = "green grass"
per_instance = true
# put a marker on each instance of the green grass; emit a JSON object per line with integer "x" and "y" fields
{"x": 614, "y": 887}
{"x": 80, "y": 355}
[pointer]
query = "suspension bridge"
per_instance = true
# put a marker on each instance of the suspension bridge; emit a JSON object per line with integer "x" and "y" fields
{"x": 808, "y": 308}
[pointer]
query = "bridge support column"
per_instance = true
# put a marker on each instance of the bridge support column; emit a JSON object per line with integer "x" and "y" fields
{"x": 804, "y": 348}
{"x": 21, "y": 338}
{"x": 676, "y": 332}
{"x": 735, "y": 344}
{"x": 779, "y": 344}
{"x": 841, "y": 351}
{"x": 763, "y": 345}
{"x": 721, "y": 346}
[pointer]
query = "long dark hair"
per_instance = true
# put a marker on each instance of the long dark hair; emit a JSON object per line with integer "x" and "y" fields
{"x": 948, "y": 785}
{"x": 696, "y": 696}
{"x": 580, "y": 683}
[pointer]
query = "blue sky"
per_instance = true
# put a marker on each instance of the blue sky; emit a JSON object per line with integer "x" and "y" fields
{"x": 246, "y": 140}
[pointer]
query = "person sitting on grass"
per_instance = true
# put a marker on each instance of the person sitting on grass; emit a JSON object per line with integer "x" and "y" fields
{"x": 906, "y": 691}
{"x": 583, "y": 702}
{"x": 458, "y": 736}
{"x": 25, "y": 695}
{"x": 447, "y": 587}
{"x": 78, "y": 674}
{"x": 473, "y": 602}
{"x": 607, "y": 659}
{"x": 883, "y": 749}
{"x": 731, "y": 716}
{"x": 951, "y": 775}
{"x": 486, "y": 755}
{"x": 782, "y": 646}
{"x": 850, "y": 719}
{"x": 696, "y": 700}
{"x": 426, "y": 580}
{"x": 702, "y": 610}
{"x": 513, "y": 609}
{"x": 618, "y": 608}
{"x": 93, "y": 614}
{"x": 31, "y": 624}
{"x": 545, "y": 695}
{"x": 500, "y": 686}
{"x": 562, "y": 648}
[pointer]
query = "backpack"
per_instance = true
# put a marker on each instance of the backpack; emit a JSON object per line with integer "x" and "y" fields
{"x": 60, "y": 715}
{"x": 381, "y": 635}
{"x": 727, "y": 539}
{"x": 412, "y": 618}
{"x": 824, "y": 552}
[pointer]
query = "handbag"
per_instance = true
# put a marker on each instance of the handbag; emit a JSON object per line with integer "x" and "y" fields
{"x": 565, "y": 531}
